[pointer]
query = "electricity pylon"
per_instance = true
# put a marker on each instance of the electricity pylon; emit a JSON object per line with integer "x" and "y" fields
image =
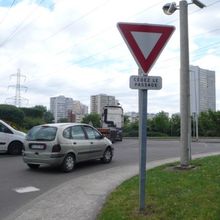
{"x": 17, "y": 100}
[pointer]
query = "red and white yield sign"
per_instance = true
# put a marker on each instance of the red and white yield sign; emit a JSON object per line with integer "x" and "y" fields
{"x": 145, "y": 41}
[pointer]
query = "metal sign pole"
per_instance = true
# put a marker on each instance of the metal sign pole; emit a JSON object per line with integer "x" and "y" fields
{"x": 143, "y": 83}
{"x": 142, "y": 93}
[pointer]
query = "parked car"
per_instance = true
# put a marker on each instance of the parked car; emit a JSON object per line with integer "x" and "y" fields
{"x": 11, "y": 140}
{"x": 64, "y": 145}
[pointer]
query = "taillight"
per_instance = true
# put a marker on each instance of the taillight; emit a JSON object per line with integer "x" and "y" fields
{"x": 56, "y": 148}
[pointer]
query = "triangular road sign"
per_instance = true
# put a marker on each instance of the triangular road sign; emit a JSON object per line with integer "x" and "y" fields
{"x": 145, "y": 41}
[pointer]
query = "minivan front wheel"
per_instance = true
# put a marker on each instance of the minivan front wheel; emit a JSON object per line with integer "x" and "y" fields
{"x": 68, "y": 163}
{"x": 15, "y": 148}
{"x": 107, "y": 156}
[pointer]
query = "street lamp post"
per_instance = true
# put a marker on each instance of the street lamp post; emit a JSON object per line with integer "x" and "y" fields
{"x": 170, "y": 8}
{"x": 184, "y": 85}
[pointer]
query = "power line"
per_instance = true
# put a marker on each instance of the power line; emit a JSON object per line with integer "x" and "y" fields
{"x": 31, "y": 21}
{"x": 136, "y": 13}
{"x": 169, "y": 22}
{"x": 13, "y": 2}
{"x": 83, "y": 16}
{"x": 90, "y": 12}
{"x": 216, "y": 2}
{"x": 76, "y": 20}
{"x": 117, "y": 45}
{"x": 144, "y": 10}
{"x": 19, "y": 26}
{"x": 207, "y": 32}
{"x": 94, "y": 36}
{"x": 103, "y": 31}
{"x": 197, "y": 53}
{"x": 98, "y": 53}
{"x": 212, "y": 45}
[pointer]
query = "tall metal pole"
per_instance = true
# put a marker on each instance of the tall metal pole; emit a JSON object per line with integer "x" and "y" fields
{"x": 142, "y": 94}
{"x": 184, "y": 86}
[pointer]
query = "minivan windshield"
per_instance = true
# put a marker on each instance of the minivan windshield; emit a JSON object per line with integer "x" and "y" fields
{"x": 42, "y": 133}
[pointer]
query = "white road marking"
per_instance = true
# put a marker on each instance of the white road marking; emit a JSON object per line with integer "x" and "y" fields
{"x": 26, "y": 189}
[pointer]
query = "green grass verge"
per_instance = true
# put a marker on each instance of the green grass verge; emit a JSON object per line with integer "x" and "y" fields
{"x": 170, "y": 194}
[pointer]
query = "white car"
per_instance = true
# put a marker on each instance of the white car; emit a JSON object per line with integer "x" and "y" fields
{"x": 11, "y": 140}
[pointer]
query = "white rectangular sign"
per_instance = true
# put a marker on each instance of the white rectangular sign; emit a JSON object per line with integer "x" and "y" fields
{"x": 146, "y": 82}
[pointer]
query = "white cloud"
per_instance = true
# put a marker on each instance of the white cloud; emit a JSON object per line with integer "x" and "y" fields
{"x": 73, "y": 48}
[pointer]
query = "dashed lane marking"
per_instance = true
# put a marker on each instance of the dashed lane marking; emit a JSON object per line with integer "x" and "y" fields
{"x": 26, "y": 189}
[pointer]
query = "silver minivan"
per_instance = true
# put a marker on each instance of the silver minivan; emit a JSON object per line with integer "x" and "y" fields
{"x": 64, "y": 145}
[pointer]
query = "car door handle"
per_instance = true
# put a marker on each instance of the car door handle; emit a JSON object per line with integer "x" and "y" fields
{"x": 74, "y": 143}
{"x": 91, "y": 142}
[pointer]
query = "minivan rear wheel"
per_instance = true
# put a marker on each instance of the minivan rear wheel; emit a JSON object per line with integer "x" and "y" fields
{"x": 68, "y": 163}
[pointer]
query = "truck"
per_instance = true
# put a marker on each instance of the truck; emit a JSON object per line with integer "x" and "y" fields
{"x": 112, "y": 121}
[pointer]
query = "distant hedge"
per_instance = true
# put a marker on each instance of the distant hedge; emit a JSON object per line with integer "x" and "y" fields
{"x": 25, "y": 118}
{"x": 11, "y": 113}
{"x": 33, "y": 112}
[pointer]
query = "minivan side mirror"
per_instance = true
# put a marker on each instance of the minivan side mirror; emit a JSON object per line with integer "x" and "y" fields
{"x": 101, "y": 136}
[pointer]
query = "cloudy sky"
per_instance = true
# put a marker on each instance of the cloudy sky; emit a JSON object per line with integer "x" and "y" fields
{"x": 73, "y": 48}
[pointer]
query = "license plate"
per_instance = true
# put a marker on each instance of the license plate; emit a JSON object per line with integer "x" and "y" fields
{"x": 38, "y": 146}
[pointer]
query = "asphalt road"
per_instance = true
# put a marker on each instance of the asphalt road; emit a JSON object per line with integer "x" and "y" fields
{"x": 15, "y": 174}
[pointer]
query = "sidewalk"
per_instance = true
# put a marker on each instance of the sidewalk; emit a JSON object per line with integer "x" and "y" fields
{"x": 81, "y": 198}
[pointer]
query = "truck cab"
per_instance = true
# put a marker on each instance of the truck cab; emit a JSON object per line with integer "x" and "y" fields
{"x": 112, "y": 122}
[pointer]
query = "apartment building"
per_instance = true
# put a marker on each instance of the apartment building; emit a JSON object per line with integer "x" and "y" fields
{"x": 97, "y": 102}
{"x": 202, "y": 90}
{"x": 66, "y": 108}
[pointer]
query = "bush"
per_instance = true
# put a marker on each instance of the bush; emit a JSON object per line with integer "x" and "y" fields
{"x": 156, "y": 134}
{"x": 12, "y": 114}
{"x": 30, "y": 122}
{"x": 130, "y": 133}
{"x": 33, "y": 112}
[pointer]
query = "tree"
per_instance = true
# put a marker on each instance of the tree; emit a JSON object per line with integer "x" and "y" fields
{"x": 126, "y": 120}
{"x": 160, "y": 123}
{"x": 30, "y": 122}
{"x": 93, "y": 118}
{"x": 131, "y": 129}
{"x": 209, "y": 123}
{"x": 175, "y": 125}
{"x": 40, "y": 108}
{"x": 48, "y": 117}
{"x": 33, "y": 112}
{"x": 36, "y": 115}
{"x": 11, "y": 113}
{"x": 63, "y": 120}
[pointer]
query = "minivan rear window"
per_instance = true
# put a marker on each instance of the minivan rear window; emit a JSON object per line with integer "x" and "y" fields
{"x": 42, "y": 133}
